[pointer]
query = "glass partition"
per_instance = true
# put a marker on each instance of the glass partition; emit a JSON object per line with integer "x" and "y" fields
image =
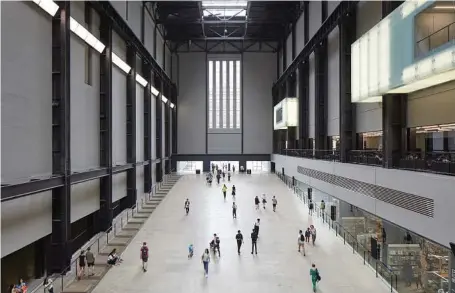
{"x": 189, "y": 167}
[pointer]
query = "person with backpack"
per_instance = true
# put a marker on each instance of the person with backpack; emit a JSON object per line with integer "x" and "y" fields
{"x": 256, "y": 202}
{"x": 254, "y": 241}
{"x": 229, "y": 176}
{"x": 187, "y": 206}
{"x": 239, "y": 238}
{"x": 90, "y": 261}
{"x": 274, "y": 202}
{"x": 322, "y": 207}
{"x": 234, "y": 210}
{"x": 315, "y": 277}
{"x": 307, "y": 235}
{"x": 301, "y": 242}
{"x": 144, "y": 256}
{"x": 215, "y": 244}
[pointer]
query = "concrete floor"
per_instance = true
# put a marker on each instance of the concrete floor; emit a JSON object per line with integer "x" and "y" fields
{"x": 278, "y": 267}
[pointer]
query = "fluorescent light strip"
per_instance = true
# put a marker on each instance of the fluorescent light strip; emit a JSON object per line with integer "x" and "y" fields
{"x": 224, "y": 3}
{"x": 164, "y": 99}
{"x": 444, "y": 7}
{"x": 85, "y": 35}
{"x": 47, "y": 5}
{"x": 120, "y": 63}
{"x": 141, "y": 80}
{"x": 172, "y": 105}
{"x": 155, "y": 92}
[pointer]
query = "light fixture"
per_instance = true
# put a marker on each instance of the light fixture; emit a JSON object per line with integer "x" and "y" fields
{"x": 155, "y": 92}
{"x": 164, "y": 99}
{"x": 172, "y": 105}
{"x": 141, "y": 80}
{"x": 224, "y": 3}
{"x": 120, "y": 63}
{"x": 48, "y": 5}
{"x": 223, "y": 13}
{"x": 444, "y": 7}
{"x": 85, "y": 35}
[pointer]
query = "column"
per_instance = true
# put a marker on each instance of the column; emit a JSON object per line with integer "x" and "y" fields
{"x": 147, "y": 128}
{"x": 131, "y": 188}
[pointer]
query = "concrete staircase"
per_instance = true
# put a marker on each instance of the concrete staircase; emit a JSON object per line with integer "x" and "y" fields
{"x": 121, "y": 239}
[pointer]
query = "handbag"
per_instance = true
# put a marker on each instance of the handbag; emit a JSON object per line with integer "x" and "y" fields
{"x": 318, "y": 276}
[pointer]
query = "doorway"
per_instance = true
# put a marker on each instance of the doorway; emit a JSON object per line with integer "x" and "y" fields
{"x": 258, "y": 166}
{"x": 188, "y": 167}
{"x": 228, "y": 164}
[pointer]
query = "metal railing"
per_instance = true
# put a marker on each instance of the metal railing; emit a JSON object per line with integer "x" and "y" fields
{"x": 436, "y": 162}
{"x": 326, "y": 155}
{"x": 365, "y": 157}
{"x": 435, "y": 40}
{"x": 379, "y": 267}
{"x": 101, "y": 241}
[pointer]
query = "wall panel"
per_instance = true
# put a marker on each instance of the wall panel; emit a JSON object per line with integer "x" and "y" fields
{"x": 139, "y": 123}
{"x": 280, "y": 61}
{"x": 153, "y": 114}
{"x": 314, "y": 17}
{"x": 191, "y": 107}
{"x": 118, "y": 186}
{"x": 159, "y": 50}
{"x": 333, "y": 111}
{"x": 149, "y": 28}
{"x": 20, "y": 228}
{"x": 85, "y": 199}
{"x": 289, "y": 50}
{"x": 120, "y": 7}
{"x": 119, "y": 116}
{"x": 312, "y": 99}
{"x": 224, "y": 143}
{"x": 369, "y": 13}
{"x": 26, "y": 92}
{"x": 331, "y": 5}
{"x": 134, "y": 17}
{"x": 259, "y": 71}
{"x": 140, "y": 181}
{"x": 299, "y": 29}
{"x": 368, "y": 117}
{"x": 168, "y": 62}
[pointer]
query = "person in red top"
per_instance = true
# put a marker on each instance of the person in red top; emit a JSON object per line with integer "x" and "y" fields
{"x": 144, "y": 256}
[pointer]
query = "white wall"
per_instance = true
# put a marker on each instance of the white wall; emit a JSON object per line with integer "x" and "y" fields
{"x": 134, "y": 17}
{"x": 435, "y": 105}
{"x": 333, "y": 107}
{"x": 259, "y": 72}
{"x": 224, "y": 143}
{"x": 149, "y": 28}
{"x": 312, "y": 99}
{"x": 85, "y": 199}
{"x": 368, "y": 115}
{"x": 85, "y": 106}
{"x": 159, "y": 50}
{"x": 26, "y": 92}
{"x": 439, "y": 228}
{"x": 140, "y": 181}
{"x": 191, "y": 104}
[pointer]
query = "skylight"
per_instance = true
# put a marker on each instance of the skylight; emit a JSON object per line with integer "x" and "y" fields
{"x": 233, "y": 3}
{"x": 224, "y": 13}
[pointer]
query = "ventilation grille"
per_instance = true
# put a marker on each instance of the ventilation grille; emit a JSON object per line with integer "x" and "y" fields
{"x": 408, "y": 201}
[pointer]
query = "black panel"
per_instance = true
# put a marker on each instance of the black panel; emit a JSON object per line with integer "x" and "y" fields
{"x": 131, "y": 188}
{"x": 321, "y": 96}
{"x": 106, "y": 211}
{"x": 304, "y": 93}
{"x": 60, "y": 257}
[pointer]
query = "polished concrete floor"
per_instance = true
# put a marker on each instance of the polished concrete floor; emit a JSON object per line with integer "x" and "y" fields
{"x": 278, "y": 267}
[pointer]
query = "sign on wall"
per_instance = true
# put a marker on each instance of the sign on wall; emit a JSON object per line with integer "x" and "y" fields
{"x": 285, "y": 114}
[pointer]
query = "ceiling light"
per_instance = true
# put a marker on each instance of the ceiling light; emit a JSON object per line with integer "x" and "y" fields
{"x": 47, "y": 5}
{"x": 85, "y": 35}
{"x": 120, "y": 63}
{"x": 172, "y": 105}
{"x": 141, "y": 80}
{"x": 155, "y": 92}
{"x": 224, "y": 3}
{"x": 164, "y": 99}
{"x": 444, "y": 7}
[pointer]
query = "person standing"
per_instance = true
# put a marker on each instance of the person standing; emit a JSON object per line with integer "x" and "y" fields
{"x": 205, "y": 261}
{"x": 224, "y": 175}
{"x": 90, "y": 261}
{"x": 274, "y": 203}
{"x": 144, "y": 256}
{"x": 229, "y": 176}
{"x": 315, "y": 277}
{"x": 256, "y": 202}
{"x": 311, "y": 207}
{"x": 81, "y": 265}
{"x": 307, "y": 235}
{"x": 313, "y": 233}
{"x": 218, "y": 177}
{"x": 233, "y": 169}
{"x": 239, "y": 238}
{"x": 224, "y": 189}
{"x": 254, "y": 240}
{"x": 48, "y": 285}
{"x": 256, "y": 227}
{"x": 264, "y": 200}
{"x": 233, "y": 192}
{"x": 187, "y": 206}
{"x": 322, "y": 208}
{"x": 234, "y": 210}
{"x": 301, "y": 242}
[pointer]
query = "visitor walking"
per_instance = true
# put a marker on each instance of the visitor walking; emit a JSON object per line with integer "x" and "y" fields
{"x": 233, "y": 192}
{"x": 256, "y": 202}
{"x": 218, "y": 177}
{"x": 229, "y": 176}
{"x": 254, "y": 240}
{"x": 315, "y": 277}
{"x": 264, "y": 200}
{"x": 239, "y": 238}
{"x": 301, "y": 242}
{"x": 224, "y": 189}
{"x": 313, "y": 233}
{"x": 144, "y": 256}
{"x": 256, "y": 227}
{"x": 81, "y": 265}
{"x": 234, "y": 210}
{"x": 307, "y": 235}
{"x": 274, "y": 203}
{"x": 205, "y": 261}
{"x": 187, "y": 206}
{"x": 322, "y": 208}
{"x": 90, "y": 261}
{"x": 311, "y": 207}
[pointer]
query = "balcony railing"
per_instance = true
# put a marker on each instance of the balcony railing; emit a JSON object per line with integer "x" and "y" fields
{"x": 435, "y": 40}
{"x": 436, "y": 162}
{"x": 365, "y": 157}
{"x": 326, "y": 155}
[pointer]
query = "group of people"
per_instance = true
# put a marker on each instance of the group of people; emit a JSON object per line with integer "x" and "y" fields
{"x": 86, "y": 258}
{"x": 20, "y": 287}
{"x": 257, "y": 202}
{"x": 310, "y": 232}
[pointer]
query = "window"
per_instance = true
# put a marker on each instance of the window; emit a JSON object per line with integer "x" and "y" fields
{"x": 210, "y": 94}
{"x": 223, "y": 90}
{"x": 231, "y": 94}
{"x": 237, "y": 89}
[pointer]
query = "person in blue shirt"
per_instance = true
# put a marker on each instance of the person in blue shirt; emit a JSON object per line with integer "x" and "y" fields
{"x": 315, "y": 277}
{"x": 190, "y": 251}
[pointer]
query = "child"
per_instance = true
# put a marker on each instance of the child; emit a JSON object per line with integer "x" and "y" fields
{"x": 190, "y": 251}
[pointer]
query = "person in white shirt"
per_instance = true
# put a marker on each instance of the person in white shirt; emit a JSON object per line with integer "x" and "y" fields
{"x": 274, "y": 203}
{"x": 301, "y": 242}
{"x": 313, "y": 233}
{"x": 205, "y": 261}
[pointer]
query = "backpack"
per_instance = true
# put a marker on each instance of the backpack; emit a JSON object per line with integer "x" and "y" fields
{"x": 145, "y": 252}
{"x": 318, "y": 276}
{"x": 302, "y": 238}
{"x": 217, "y": 240}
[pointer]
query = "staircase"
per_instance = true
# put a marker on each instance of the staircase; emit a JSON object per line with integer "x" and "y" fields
{"x": 122, "y": 235}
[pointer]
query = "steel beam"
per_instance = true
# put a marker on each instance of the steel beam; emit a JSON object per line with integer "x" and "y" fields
{"x": 122, "y": 168}
{"x": 79, "y": 177}
{"x": 258, "y": 39}
{"x": 13, "y": 191}
{"x": 60, "y": 257}
{"x": 106, "y": 210}
{"x": 147, "y": 128}
{"x": 347, "y": 36}
{"x": 329, "y": 24}
{"x": 131, "y": 188}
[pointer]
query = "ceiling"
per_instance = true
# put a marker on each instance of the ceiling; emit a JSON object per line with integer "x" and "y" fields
{"x": 226, "y": 20}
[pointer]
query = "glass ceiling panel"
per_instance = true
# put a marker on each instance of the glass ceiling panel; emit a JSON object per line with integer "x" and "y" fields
{"x": 233, "y": 3}
{"x": 224, "y": 13}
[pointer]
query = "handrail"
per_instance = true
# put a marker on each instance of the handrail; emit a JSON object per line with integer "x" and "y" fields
{"x": 101, "y": 235}
{"x": 429, "y": 36}
{"x": 379, "y": 266}
{"x": 447, "y": 27}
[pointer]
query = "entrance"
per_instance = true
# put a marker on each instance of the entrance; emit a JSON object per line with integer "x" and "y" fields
{"x": 258, "y": 166}
{"x": 227, "y": 164}
{"x": 188, "y": 167}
